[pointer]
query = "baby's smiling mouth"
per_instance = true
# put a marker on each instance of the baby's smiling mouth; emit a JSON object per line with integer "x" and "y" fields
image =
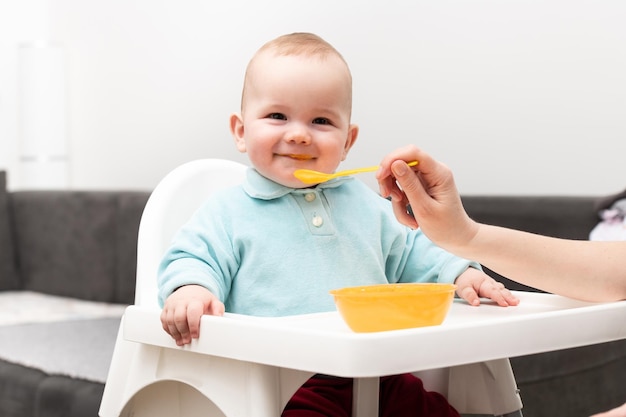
{"x": 299, "y": 157}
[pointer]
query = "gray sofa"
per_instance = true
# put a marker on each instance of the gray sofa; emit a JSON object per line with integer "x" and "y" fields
{"x": 75, "y": 244}
{"x": 82, "y": 245}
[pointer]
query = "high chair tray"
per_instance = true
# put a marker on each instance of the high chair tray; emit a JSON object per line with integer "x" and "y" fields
{"x": 322, "y": 343}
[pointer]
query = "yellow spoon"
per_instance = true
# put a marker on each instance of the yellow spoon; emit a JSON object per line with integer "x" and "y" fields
{"x": 308, "y": 176}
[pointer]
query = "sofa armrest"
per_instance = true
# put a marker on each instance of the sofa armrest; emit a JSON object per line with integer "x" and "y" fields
{"x": 9, "y": 278}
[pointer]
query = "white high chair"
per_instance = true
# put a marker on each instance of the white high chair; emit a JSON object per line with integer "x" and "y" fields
{"x": 151, "y": 376}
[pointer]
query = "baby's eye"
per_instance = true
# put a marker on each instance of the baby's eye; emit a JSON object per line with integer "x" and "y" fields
{"x": 276, "y": 116}
{"x": 321, "y": 121}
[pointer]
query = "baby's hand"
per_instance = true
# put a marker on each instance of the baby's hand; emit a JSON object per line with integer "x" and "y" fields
{"x": 183, "y": 310}
{"x": 473, "y": 283}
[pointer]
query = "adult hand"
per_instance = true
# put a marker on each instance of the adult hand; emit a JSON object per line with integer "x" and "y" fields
{"x": 430, "y": 190}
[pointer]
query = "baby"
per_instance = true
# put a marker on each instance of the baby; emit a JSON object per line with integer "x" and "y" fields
{"x": 275, "y": 246}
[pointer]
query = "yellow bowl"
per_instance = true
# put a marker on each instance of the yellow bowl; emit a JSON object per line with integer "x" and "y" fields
{"x": 375, "y": 308}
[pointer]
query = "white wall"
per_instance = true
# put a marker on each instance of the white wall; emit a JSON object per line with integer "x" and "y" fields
{"x": 518, "y": 97}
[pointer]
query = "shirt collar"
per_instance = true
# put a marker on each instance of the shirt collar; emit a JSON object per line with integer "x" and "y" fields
{"x": 258, "y": 186}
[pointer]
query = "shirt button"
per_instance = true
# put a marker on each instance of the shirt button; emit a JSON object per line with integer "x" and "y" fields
{"x": 317, "y": 221}
{"x": 309, "y": 197}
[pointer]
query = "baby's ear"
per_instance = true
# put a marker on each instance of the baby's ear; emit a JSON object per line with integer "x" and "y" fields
{"x": 237, "y": 130}
{"x": 353, "y": 132}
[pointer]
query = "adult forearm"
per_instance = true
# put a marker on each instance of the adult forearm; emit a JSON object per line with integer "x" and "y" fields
{"x": 592, "y": 271}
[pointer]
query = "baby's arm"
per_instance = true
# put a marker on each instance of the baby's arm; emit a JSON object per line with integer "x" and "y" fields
{"x": 183, "y": 310}
{"x": 474, "y": 283}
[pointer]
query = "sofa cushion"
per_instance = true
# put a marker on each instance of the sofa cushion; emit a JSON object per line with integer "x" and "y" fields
{"x": 9, "y": 279}
{"x": 66, "y": 243}
{"x": 585, "y": 378}
{"x": 18, "y": 386}
{"x": 558, "y": 216}
{"x": 68, "y": 397}
{"x": 30, "y": 392}
{"x": 78, "y": 244}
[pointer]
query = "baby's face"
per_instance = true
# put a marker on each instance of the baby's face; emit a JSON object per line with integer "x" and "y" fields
{"x": 296, "y": 114}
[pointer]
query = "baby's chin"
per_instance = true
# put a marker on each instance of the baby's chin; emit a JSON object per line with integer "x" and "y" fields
{"x": 295, "y": 183}
{"x": 287, "y": 180}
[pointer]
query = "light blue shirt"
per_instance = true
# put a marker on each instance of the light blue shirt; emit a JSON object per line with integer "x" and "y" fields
{"x": 268, "y": 250}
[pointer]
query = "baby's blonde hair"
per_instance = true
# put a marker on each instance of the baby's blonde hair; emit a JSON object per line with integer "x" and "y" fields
{"x": 298, "y": 43}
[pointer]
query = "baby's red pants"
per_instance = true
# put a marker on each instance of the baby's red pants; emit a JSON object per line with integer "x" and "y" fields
{"x": 400, "y": 396}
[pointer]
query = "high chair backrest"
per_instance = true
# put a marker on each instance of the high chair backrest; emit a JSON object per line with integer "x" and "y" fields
{"x": 179, "y": 194}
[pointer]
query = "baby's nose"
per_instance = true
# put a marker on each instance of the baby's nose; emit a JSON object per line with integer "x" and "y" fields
{"x": 298, "y": 134}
